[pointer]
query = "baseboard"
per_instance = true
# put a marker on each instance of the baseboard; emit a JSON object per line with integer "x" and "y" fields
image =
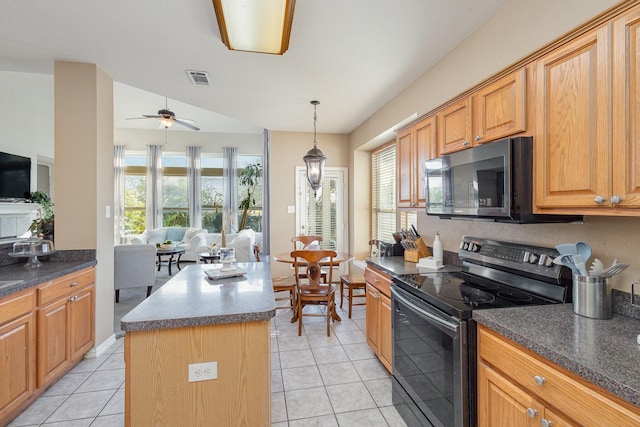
{"x": 101, "y": 348}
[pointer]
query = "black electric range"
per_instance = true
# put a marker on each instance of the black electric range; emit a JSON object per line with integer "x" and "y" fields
{"x": 492, "y": 274}
{"x": 433, "y": 333}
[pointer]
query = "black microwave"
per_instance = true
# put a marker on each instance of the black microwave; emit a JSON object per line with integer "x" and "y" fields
{"x": 493, "y": 182}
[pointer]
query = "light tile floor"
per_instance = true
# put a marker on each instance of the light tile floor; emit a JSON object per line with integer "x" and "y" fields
{"x": 315, "y": 381}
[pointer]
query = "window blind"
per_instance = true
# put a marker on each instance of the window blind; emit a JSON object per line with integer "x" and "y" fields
{"x": 383, "y": 203}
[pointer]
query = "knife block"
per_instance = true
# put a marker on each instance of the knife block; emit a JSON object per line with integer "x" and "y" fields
{"x": 414, "y": 255}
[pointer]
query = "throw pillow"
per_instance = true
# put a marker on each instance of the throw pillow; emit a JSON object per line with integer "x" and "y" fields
{"x": 175, "y": 234}
{"x": 155, "y": 236}
{"x": 188, "y": 235}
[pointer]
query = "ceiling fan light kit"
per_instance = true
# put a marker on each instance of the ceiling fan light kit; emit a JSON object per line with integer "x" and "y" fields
{"x": 262, "y": 26}
{"x": 167, "y": 118}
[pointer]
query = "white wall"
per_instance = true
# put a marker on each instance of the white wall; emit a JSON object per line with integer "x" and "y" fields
{"x": 26, "y": 116}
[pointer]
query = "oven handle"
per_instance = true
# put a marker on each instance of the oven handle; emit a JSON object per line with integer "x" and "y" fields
{"x": 442, "y": 322}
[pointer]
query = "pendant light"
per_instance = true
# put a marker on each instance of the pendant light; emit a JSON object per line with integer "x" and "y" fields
{"x": 314, "y": 158}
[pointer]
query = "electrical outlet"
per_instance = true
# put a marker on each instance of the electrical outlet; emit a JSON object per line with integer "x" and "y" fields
{"x": 203, "y": 371}
{"x": 291, "y": 209}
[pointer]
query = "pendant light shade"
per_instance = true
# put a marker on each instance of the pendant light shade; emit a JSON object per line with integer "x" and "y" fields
{"x": 314, "y": 158}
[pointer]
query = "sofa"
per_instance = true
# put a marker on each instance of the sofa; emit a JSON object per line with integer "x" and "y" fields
{"x": 187, "y": 238}
{"x": 243, "y": 243}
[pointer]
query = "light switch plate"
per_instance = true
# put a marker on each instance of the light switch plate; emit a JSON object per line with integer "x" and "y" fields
{"x": 203, "y": 371}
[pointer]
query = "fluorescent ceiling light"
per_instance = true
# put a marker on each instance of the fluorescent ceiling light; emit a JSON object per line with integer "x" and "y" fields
{"x": 262, "y": 26}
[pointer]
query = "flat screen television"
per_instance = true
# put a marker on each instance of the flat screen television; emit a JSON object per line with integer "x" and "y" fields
{"x": 15, "y": 176}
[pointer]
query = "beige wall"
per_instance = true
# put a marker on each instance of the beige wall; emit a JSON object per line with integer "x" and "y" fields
{"x": 84, "y": 174}
{"x": 287, "y": 150}
{"x": 519, "y": 29}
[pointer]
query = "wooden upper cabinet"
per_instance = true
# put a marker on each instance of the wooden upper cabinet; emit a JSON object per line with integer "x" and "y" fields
{"x": 414, "y": 146}
{"x": 454, "y": 127}
{"x": 572, "y": 123}
{"x": 626, "y": 110}
{"x": 499, "y": 108}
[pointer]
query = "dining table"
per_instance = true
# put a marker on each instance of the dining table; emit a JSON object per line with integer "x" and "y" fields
{"x": 341, "y": 257}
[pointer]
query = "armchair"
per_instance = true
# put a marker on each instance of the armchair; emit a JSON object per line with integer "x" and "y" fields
{"x": 186, "y": 238}
{"x": 134, "y": 266}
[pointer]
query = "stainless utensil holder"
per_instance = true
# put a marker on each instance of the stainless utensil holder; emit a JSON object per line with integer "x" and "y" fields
{"x": 592, "y": 296}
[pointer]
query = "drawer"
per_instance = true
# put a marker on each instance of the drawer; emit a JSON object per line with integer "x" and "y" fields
{"x": 379, "y": 280}
{"x": 575, "y": 397}
{"x": 14, "y": 306}
{"x": 65, "y": 285}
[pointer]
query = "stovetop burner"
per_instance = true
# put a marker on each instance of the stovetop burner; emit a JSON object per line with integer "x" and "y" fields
{"x": 467, "y": 294}
{"x": 514, "y": 296}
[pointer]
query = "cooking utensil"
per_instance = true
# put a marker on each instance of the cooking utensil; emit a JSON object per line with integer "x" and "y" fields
{"x": 584, "y": 249}
{"x": 578, "y": 261}
{"x": 613, "y": 270}
{"x": 566, "y": 260}
{"x": 597, "y": 267}
{"x": 567, "y": 248}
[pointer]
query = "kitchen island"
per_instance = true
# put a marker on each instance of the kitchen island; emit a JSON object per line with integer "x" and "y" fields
{"x": 193, "y": 320}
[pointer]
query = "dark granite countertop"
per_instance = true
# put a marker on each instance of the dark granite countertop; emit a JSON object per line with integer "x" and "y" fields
{"x": 603, "y": 352}
{"x": 60, "y": 264}
{"x": 393, "y": 265}
{"x": 191, "y": 299}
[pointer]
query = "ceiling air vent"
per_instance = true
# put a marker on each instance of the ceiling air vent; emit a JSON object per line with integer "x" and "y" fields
{"x": 198, "y": 78}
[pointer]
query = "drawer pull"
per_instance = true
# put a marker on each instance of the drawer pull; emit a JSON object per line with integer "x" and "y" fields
{"x": 74, "y": 298}
{"x": 532, "y": 413}
{"x": 73, "y": 284}
{"x": 546, "y": 423}
{"x": 539, "y": 380}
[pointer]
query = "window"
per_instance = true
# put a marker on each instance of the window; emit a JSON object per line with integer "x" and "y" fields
{"x": 135, "y": 186}
{"x": 175, "y": 202}
{"x": 383, "y": 186}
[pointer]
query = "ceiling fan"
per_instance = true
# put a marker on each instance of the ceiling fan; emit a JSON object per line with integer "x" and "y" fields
{"x": 167, "y": 118}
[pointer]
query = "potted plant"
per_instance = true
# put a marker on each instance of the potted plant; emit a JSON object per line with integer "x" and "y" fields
{"x": 250, "y": 177}
{"x": 42, "y": 226}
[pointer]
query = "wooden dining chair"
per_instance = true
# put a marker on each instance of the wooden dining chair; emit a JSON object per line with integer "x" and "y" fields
{"x": 303, "y": 242}
{"x": 313, "y": 292}
{"x": 355, "y": 283}
{"x": 285, "y": 284}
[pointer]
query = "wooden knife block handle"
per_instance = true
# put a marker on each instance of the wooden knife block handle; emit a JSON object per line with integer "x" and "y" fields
{"x": 414, "y": 255}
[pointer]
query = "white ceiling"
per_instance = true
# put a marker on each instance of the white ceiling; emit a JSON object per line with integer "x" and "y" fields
{"x": 351, "y": 55}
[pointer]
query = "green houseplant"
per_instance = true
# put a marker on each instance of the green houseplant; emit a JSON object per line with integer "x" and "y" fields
{"x": 43, "y": 224}
{"x": 250, "y": 178}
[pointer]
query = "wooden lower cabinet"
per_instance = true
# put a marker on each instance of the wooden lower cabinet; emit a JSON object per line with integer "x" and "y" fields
{"x": 517, "y": 387}
{"x": 17, "y": 352}
{"x": 378, "y": 334}
{"x": 44, "y": 332}
{"x": 157, "y": 387}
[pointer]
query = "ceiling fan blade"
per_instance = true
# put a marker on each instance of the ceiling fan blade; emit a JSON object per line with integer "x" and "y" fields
{"x": 149, "y": 116}
{"x": 190, "y": 126}
{"x": 193, "y": 122}
{"x": 135, "y": 118}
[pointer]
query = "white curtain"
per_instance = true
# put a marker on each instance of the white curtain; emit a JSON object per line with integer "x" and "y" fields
{"x": 154, "y": 187}
{"x": 230, "y": 178}
{"x": 266, "y": 217}
{"x": 194, "y": 186}
{"x": 118, "y": 193}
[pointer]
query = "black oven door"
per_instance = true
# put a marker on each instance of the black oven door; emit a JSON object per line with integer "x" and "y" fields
{"x": 430, "y": 363}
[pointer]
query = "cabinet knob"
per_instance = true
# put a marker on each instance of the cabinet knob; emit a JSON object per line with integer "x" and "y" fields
{"x": 615, "y": 200}
{"x": 73, "y": 284}
{"x": 478, "y": 137}
{"x": 599, "y": 200}
{"x": 539, "y": 380}
{"x": 465, "y": 143}
{"x": 532, "y": 413}
{"x": 74, "y": 298}
{"x": 546, "y": 423}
